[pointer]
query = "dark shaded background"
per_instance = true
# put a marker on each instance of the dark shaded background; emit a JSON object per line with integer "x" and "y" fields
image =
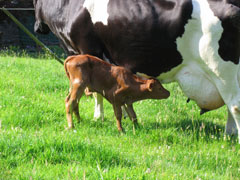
{"x": 11, "y": 35}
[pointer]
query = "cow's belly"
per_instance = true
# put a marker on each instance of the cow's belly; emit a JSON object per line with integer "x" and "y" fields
{"x": 196, "y": 86}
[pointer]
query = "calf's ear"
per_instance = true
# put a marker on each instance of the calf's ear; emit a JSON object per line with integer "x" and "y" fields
{"x": 150, "y": 85}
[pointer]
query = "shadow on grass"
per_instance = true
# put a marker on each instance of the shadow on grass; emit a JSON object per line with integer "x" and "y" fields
{"x": 190, "y": 126}
{"x": 197, "y": 128}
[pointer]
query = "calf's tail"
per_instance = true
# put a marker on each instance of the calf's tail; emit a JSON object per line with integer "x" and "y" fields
{"x": 65, "y": 66}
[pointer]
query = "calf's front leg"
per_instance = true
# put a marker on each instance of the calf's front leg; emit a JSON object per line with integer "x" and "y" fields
{"x": 131, "y": 113}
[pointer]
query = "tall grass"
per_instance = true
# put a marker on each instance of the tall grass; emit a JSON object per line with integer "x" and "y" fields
{"x": 172, "y": 142}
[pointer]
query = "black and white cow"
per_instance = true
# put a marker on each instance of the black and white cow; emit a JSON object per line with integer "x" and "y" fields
{"x": 193, "y": 42}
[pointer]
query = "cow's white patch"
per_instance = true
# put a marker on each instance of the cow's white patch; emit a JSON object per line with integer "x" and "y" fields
{"x": 199, "y": 49}
{"x": 203, "y": 48}
{"x": 97, "y": 10}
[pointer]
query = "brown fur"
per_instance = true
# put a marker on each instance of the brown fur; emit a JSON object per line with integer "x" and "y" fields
{"x": 117, "y": 84}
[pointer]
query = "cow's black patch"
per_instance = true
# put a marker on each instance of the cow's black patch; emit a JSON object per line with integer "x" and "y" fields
{"x": 141, "y": 35}
{"x": 228, "y": 11}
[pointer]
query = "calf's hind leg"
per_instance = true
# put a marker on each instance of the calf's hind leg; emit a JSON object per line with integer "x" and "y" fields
{"x": 131, "y": 113}
{"x": 118, "y": 113}
{"x": 72, "y": 102}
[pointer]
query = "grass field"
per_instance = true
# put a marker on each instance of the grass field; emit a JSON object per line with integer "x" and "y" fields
{"x": 172, "y": 142}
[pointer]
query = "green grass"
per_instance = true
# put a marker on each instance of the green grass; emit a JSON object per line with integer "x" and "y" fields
{"x": 172, "y": 142}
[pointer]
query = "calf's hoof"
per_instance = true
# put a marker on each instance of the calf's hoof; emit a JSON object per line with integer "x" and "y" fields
{"x": 136, "y": 125}
{"x": 69, "y": 128}
{"x": 78, "y": 120}
{"x": 121, "y": 131}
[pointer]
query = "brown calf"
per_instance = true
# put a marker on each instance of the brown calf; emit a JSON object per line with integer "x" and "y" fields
{"x": 117, "y": 84}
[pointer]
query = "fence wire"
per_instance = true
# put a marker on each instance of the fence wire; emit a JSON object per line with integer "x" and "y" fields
{"x": 19, "y": 9}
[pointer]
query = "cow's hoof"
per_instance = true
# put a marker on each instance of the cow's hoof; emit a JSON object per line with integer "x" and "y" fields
{"x": 231, "y": 132}
{"x": 98, "y": 119}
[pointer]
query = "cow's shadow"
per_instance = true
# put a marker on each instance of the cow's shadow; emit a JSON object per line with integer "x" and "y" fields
{"x": 198, "y": 128}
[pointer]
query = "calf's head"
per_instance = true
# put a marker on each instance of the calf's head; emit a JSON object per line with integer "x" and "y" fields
{"x": 156, "y": 90}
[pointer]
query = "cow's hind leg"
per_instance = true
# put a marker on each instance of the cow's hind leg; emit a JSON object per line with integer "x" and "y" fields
{"x": 235, "y": 111}
{"x": 231, "y": 127}
{"x": 98, "y": 111}
{"x": 230, "y": 92}
{"x": 232, "y": 100}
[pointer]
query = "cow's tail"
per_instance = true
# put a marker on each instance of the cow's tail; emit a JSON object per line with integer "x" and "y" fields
{"x": 65, "y": 66}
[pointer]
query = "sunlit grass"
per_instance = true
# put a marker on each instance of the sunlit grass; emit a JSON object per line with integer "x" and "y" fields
{"x": 172, "y": 142}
